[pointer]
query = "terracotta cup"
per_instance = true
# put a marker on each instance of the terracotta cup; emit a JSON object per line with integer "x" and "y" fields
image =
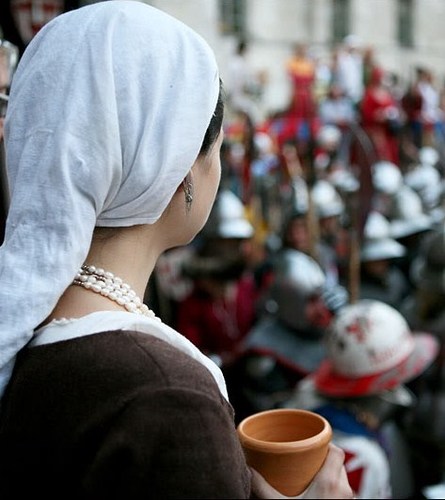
{"x": 286, "y": 446}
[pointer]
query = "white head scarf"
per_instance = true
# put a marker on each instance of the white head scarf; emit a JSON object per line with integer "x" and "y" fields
{"x": 107, "y": 113}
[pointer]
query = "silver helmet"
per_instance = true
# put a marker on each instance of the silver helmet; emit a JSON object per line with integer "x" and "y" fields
{"x": 377, "y": 242}
{"x": 326, "y": 199}
{"x": 428, "y": 156}
{"x": 425, "y": 180}
{"x": 386, "y": 177}
{"x": 407, "y": 214}
{"x": 220, "y": 252}
{"x": 228, "y": 218}
{"x": 297, "y": 278}
{"x": 329, "y": 137}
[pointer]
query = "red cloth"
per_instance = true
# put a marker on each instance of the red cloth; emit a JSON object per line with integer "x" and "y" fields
{"x": 375, "y": 104}
{"x": 216, "y": 326}
{"x": 302, "y": 74}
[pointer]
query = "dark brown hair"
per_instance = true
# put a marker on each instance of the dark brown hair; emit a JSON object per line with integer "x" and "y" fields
{"x": 215, "y": 124}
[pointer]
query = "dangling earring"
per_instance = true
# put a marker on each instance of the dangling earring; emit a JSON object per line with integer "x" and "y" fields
{"x": 187, "y": 185}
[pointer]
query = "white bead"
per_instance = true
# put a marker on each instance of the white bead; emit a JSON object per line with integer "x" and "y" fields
{"x": 104, "y": 282}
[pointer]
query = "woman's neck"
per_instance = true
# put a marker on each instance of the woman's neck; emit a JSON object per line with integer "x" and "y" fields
{"x": 127, "y": 253}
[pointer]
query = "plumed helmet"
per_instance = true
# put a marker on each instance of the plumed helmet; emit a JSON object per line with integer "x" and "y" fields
{"x": 371, "y": 349}
{"x": 227, "y": 218}
{"x": 428, "y": 268}
{"x": 377, "y": 242}
{"x": 326, "y": 199}
{"x": 386, "y": 177}
{"x": 297, "y": 277}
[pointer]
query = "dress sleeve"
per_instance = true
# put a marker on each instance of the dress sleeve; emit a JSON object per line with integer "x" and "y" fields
{"x": 171, "y": 443}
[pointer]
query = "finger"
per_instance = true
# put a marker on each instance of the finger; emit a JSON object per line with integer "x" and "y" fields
{"x": 261, "y": 488}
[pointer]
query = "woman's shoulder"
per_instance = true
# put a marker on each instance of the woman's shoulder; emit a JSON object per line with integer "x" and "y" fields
{"x": 137, "y": 357}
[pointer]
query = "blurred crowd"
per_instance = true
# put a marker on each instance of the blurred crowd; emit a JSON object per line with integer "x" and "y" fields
{"x": 319, "y": 279}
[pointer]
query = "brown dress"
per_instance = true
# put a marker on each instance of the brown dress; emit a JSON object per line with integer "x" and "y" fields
{"x": 117, "y": 414}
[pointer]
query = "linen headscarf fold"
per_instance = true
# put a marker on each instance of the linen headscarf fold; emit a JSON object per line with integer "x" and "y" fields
{"x": 107, "y": 113}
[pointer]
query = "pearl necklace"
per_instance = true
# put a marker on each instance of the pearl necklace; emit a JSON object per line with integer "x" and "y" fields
{"x": 107, "y": 284}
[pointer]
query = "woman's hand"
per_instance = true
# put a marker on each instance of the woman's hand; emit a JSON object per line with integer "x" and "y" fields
{"x": 331, "y": 480}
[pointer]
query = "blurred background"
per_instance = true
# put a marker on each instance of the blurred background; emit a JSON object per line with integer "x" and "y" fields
{"x": 402, "y": 33}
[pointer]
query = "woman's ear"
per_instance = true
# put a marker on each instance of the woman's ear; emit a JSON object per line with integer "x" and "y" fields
{"x": 187, "y": 186}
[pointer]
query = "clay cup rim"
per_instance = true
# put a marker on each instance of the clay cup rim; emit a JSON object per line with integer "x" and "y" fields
{"x": 252, "y": 431}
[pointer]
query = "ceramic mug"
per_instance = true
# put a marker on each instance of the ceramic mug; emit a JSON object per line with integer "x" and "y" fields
{"x": 286, "y": 446}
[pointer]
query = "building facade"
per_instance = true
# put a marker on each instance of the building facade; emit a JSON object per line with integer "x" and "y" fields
{"x": 404, "y": 34}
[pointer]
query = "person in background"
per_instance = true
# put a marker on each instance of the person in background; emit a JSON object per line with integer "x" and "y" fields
{"x": 284, "y": 345}
{"x": 409, "y": 223}
{"x": 327, "y": 157}
{"x": 219, "y": 310}
{"x": 424, "y": 309}
{"x": 380, "y": 116}
{"x": 337, "y": 109}
{"x": 9, "y": 55}
{"x": 348, "y": 68}
{"x": 412, "y": 104}
{"x": 387, "y": 181}
{"x": 301, "y": 72}
{"x": 21, "y": 20}
{"x": 245, "y": 85}
{"x": 302, "y": 119}
{"x": 430, "y": 111}
{"x": 295, "y": 232}
{"x": 266, "y": 179}
{"x": 361, "y": 388}
{"x": 380, "y": 277}
{"x": 329, "y": 209}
